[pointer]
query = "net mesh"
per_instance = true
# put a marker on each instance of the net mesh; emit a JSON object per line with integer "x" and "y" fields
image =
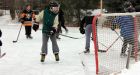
{"x": 116, "y": 34}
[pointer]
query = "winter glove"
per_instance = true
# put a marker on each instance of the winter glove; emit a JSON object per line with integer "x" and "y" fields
{"x": 0, "y": 43}
{"x": 21, "y": 20}
{"x": 35, "y": 26}
{"x": 53, "y": 31}
{"x": 0, "y": 33}
{"x": 82, "y": 30}
{"x": 112, "y": 29}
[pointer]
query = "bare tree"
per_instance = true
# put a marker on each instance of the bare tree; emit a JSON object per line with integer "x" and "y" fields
{"x": 12, "y": 8}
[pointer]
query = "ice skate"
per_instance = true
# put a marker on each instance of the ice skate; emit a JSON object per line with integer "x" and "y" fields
{"x": 87, "y": 51}
{"x": 122, "y": 55}
{"x": 42, "y": 57}
{"x": 56, "y": 56}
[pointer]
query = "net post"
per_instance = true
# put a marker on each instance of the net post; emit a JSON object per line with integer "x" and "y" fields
{"x": 135, "y": 39}
{"x": 101, "y": 6}
{"x": 94, "y": 35}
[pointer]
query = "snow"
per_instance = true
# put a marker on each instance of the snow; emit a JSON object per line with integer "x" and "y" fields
{"x": 23, "y": 57}
{"x": 134, "y": 70}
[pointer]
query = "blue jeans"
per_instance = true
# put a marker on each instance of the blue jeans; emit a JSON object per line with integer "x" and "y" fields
{"x": 88, "y": 32}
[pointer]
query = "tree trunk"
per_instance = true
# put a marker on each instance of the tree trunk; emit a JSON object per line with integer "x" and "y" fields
{"x": 12, "y": 9}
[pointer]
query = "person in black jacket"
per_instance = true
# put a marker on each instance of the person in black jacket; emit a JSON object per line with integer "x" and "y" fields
{"x": 61, "y": 23}
{"x": 26, "y": 19}
{"x": 87, "y": 23}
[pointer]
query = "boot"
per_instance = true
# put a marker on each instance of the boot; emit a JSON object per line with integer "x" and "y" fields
{"x": 87, "y": 51}
{"x": 42, "y": 57}
{"x": 122, "y": 55}
{"x": 56, "y": 56}
{"x": 29, "y": 37}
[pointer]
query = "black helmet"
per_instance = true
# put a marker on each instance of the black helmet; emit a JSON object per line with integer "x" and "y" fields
{"x": 128, "y": 7}
{"x": 53, "y": 4}
{"x": 127, "y": 4}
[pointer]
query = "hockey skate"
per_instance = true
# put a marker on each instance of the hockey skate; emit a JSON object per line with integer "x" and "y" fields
{"x": 87, "y": 51}
{"x": 56, "y": 56}
{"x": 29, "y": 37}
{"x": 122, "y": 55}
{"x": 42, "y": 57}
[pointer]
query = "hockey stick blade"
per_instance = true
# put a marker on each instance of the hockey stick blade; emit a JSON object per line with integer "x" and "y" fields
{"x": 2, "y": 55}
{"x": 14, "y": 41}
{"x": 102, "y": 51}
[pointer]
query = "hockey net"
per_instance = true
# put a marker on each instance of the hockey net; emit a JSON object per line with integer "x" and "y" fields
{"x": 108, "y": 35}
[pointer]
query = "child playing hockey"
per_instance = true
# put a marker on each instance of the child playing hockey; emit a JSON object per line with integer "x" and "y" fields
{"x": 26, "y": 19}
{"x": 50, "y": 22}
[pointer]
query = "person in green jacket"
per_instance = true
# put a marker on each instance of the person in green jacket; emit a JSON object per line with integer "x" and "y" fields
{"x": 49, "y": 16}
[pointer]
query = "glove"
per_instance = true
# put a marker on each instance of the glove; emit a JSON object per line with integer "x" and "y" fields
{"x": 112, "y": 29}
{"x": 0, "y": 43}
{"x": 52, "y": 32}
{"x": 35, "y": 26}
{"x": 82, "y": 30}
{"x": 21, "y": 20}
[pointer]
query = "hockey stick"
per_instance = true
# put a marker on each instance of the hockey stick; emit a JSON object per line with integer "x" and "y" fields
{"x": 118, "y": 35}
{"x": 99, "y": 50}
{"x": 112, "y": 44}
{"x": 1, "y": 55}
{"x": 18, "y": 34}
{"x": 69, "y": 36}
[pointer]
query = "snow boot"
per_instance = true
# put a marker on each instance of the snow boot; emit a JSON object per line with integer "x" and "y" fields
{"x": 29, "y": 37}
{"x": 42, "y": 57}
{"x": 56, "y": 56}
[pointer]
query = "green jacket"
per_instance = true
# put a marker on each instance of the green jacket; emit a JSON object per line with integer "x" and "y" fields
{"x": 49, "y": 20}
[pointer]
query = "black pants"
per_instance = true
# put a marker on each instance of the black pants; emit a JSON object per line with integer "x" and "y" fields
{"x": 28, "y": 30}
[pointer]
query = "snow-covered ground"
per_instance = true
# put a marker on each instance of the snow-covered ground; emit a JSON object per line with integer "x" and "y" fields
{"x": 23, "y": 57}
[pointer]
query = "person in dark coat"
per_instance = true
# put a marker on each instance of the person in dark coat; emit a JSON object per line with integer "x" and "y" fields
{"x": 87, "y": 24}
{"x": 61, "y": 23}
{"x": 127, "y": 30}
